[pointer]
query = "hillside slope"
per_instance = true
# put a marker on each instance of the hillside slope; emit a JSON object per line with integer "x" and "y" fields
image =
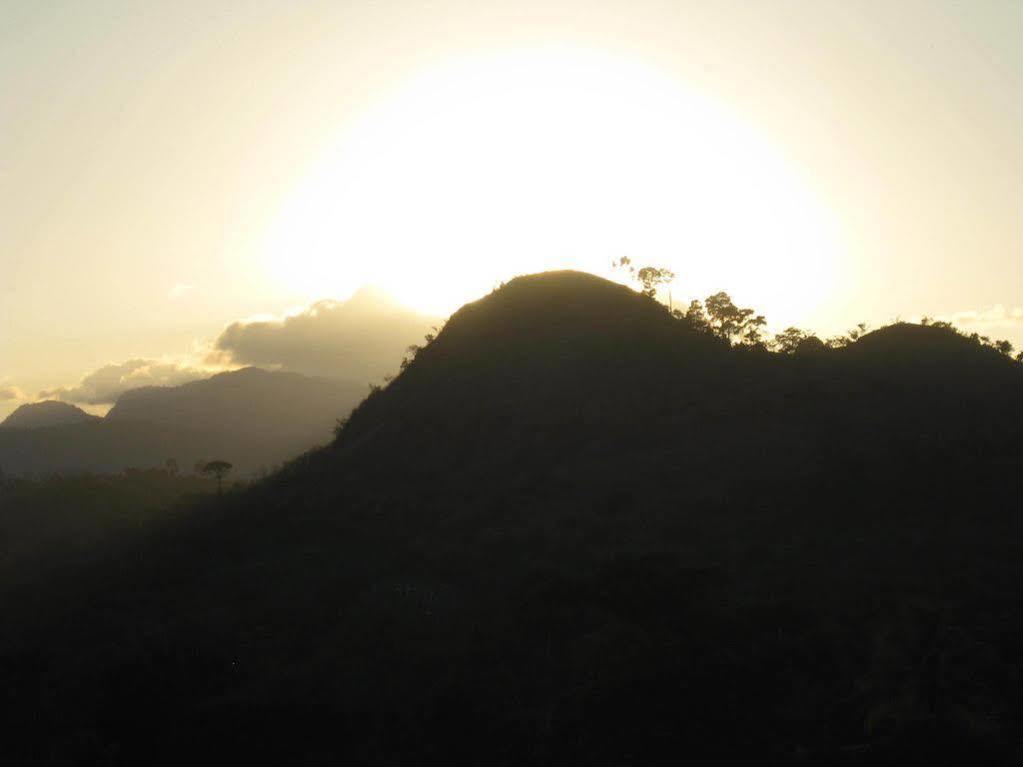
{"x": 576, "y": 530}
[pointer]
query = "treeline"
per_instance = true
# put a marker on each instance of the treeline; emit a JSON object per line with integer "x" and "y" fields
{"x": 63, "y": 521}
{"x": 719, "y": 316}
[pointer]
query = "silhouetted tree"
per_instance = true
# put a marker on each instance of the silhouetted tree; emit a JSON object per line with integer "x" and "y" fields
{"x": 696, "y": 317}
{"x": 810, "y": 345}
{"x": 414, "y": 349}
{"x": 410, "y": 355}
{"x": 432, "y": 335}
{"x": 733, "y": 324}
{"x": 1005, "y": 347}
{"x": 650, "y": 278}
{"x": 218, "y": 469}
{"x": 838, "y": 342}
{"x": 623, "y": 263}
{"x": 858, "y": 332}
{"x": 789, "y": 340}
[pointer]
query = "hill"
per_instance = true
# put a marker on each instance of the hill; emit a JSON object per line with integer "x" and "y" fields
{"x": 250, "y": 401}
{"x": 576, "y": 529}
{"x": 253, "y": 418}
{"x": 40, "y": 415}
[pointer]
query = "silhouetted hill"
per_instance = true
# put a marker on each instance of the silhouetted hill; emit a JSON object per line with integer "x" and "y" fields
{"x": 576, "y": 530}
{"x": 39, "y": 415}
{"x": 916, "y": 350}
{"x": 252, "y": 418}
{"x": 249, "y": 401}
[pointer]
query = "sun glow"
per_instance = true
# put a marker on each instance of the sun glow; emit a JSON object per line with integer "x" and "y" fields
{"x": 490, "y": 167}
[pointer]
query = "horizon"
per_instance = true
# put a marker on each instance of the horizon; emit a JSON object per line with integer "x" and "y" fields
{"x": 511, "y": 382}
{"x": 849, "y": 163}
{"x": 98, "y": 393}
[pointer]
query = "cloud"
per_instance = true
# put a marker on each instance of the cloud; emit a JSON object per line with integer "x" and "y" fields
{"x": 997, "y": 316}
{"x": 8, "y": 393}
{"x": 105, "y": 385}
{"x": 362, "y": 339}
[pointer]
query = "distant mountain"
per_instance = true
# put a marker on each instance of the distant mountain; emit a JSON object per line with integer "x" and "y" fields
{"x": 40, "y": 415}
{"x": 249, "y": 401}
{"x": 577, "y": 530}
{"x": 250, "y": 417}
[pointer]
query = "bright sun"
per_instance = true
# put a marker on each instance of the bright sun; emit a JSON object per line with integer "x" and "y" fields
{"x": 490, "y": 167}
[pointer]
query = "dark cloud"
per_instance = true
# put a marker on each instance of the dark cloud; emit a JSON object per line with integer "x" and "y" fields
{"x": 105, "y": 385}
{"x": 362, "y": 339}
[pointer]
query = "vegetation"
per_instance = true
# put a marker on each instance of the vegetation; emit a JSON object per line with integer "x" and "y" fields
{"x": 650, "y": 278}
{"x": 719, "y": 316}
{"x": 62, "y": 522}
{"x": 219, "y": 470}
{"x": 576, "y": 528}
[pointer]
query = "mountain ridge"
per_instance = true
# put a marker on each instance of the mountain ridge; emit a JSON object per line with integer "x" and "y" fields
{"x": 577, "y": 530}
{"x": 38, "y": 415}
{"x": 253, "y": 418}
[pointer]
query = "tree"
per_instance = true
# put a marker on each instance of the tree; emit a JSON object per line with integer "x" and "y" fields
{"x": 414, "y": 349}
{"x": 650, "y": 278}
{"x": 1005, "y": 347}
{"x": 697, "y": 317}
{"x": 733, "y": 324}
{"x": 858, "y": 332}
{"x": 410, "y": 355}
{"x": 810, "y": 345}
{"x": 789, "y": 340}
{"x": 623, "y": 263}
{"x": 218, "y": 469}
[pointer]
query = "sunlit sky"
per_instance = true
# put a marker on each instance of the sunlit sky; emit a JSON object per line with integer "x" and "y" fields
{"x": 167, "y": 168}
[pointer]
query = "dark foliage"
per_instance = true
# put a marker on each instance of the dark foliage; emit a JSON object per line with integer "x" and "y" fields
{"x": 60, "y": 523}
{"x": 575, "y": 529}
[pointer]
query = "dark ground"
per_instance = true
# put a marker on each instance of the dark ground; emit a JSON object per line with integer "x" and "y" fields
{"x": 574, "y": 530}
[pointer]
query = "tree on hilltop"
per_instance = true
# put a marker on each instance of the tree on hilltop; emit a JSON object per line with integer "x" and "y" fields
{"x": 218, "y": 469}
{"x": 650, "y": 278}
{"x": 732, "y": 323}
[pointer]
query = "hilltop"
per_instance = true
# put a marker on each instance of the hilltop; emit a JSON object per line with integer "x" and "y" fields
{"x": 41, "y": 415}
{"x": 577, "y": 529}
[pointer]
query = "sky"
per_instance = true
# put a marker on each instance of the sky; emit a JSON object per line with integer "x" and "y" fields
{"x": 171, "y": 170}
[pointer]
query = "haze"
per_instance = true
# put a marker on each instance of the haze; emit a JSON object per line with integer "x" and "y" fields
{"x": 169, "y": 169}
